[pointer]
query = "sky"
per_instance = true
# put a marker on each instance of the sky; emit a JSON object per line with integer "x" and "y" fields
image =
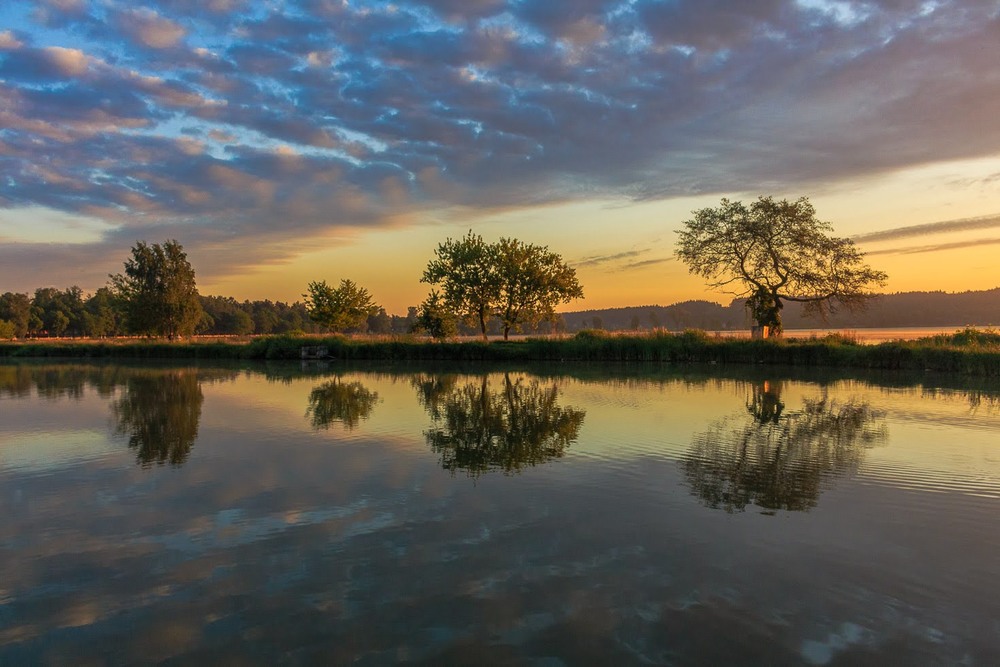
{"x": 284, "y": 142}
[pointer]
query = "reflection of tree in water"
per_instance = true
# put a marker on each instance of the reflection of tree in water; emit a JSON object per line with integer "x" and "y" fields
{"x": 159, "y": 412}
{"x": 479, "y": 427}
{"x": 779, "y": 460}
{"x": 53, "y": 381}
{"x": 337, "y": 401}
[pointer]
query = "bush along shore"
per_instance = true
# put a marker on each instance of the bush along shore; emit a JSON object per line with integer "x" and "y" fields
{"x": 969, "y": 351}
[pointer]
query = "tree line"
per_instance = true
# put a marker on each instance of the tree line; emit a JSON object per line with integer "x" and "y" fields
{"x": 767, "y": 254}
{"x": 489, "y": 288}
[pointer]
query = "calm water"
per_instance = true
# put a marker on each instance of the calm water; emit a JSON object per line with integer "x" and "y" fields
{"x": 558, "y": 516}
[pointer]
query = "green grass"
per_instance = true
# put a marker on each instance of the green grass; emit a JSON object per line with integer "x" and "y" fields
{"x": 969, "y": 351}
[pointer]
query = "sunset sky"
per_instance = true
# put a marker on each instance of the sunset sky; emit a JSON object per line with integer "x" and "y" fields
{"x": 288, "y": 141}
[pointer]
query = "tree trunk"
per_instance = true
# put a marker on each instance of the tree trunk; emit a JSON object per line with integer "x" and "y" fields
{"x": 765, "y": 307}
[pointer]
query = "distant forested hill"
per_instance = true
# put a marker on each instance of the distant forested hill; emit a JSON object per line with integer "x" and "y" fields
{"x": 903, "y": 309}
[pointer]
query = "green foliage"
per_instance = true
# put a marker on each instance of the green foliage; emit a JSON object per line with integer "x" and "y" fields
{"x": 224, "y": 315}
{"x": 531, "y": 282}
{"x": 158, "y": 292}
{"x": 435, "y": 318}
{"x": 972, "y": 337}
{"x": 776, "y": 251}
{"x": 16, "y": 309}
{"x": 103, "y": 314}
{"x": 7, "y": 329}
{"x": 465, "y": 271}
{"x": 931, "y": 354}
{"x": 516, "y": 282}
{"x": 59, "y": 312}
{"x": 339, "y": 308}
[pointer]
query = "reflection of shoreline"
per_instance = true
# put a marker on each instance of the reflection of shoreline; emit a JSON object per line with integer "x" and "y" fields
{"x": 777, "y": 459}
{"x": 479, "y": 427}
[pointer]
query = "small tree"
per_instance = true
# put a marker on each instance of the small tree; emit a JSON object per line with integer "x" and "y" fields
{"x": 531, "y": 282}
{"x": 776, "y": 251}
{"x": 435, "y": 318}
{"x": 158, "y": 291}
{"x": 467, "y": 275}
{"x": 339, "y": 308}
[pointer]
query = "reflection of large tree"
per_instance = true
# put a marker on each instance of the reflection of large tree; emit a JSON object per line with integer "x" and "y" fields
{"x": 159, "y": 413}
{"x": 336, "y": 401}
{"x": 776, "y": 459}
{"x": 479, "y": 426}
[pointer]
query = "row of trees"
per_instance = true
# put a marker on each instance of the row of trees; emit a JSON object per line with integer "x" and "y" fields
{"x": 517, "y": 284}
{"x": 768, "y": 253}
{"x": 494, "y": 287}
{"x": 70, "y": 312}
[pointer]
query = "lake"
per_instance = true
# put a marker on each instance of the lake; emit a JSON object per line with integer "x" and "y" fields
{"x": 542, "y": 515}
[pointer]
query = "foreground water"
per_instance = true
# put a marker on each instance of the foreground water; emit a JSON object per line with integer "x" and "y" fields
{"x": 570, "y": 515}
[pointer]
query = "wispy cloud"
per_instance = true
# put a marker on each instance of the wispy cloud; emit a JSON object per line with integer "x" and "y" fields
{"x": 646, "y": 262}
{"x": 604, "y": 259}
{"x": 947, "y": 226}
{"x": 956, "y": 245}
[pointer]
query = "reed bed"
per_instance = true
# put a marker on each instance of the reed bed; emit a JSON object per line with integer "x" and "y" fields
{"x": 968, "y": 351}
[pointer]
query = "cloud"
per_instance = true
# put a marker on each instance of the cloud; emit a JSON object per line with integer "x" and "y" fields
{"x": 9, "y": 41}
{"x": 947, "y": 226}
{"x": 148, "y": 28}
{"x": 613, "y": 262}
{"x": 646, "y": 262}
{"x": 39, "y": 65}
{"x": 603, "y": 259}
{"x": 226, "y": 121}
{"x": 937, "y": 247}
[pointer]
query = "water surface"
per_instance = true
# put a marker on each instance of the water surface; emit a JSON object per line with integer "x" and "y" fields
{"x": 322, "y": 514}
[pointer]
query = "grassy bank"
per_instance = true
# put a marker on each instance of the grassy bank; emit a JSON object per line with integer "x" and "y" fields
{"x": 970, "y": 351}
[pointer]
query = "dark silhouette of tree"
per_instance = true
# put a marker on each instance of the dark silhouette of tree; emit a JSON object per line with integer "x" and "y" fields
{"x": 159, "y": 412}
{"x": 776, "y": 251}
{"x": 479, "y": 427}
{"x": 380, "y": 322}
{"x": 779, "y": 460}
{"x": 158, "y": 291}
{"x": 345, "y": 403}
